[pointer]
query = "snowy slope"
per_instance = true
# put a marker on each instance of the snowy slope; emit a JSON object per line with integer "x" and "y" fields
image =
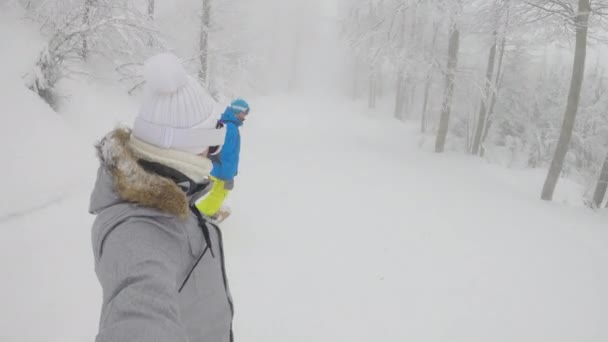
{"x": 49, "y": 291}
{"x": 36, "y": 142}
{"x": 343, "y": 229}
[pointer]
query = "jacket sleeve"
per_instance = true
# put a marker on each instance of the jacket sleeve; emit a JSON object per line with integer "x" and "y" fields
{"x": 229, "y": 155}
{"x": 137, "y": 270}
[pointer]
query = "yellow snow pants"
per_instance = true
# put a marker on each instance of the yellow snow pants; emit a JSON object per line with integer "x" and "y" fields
{"x": 211, "y": 204}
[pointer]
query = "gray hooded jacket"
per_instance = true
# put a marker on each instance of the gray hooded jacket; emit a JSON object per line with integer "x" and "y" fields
{"x": 160, "y": 266}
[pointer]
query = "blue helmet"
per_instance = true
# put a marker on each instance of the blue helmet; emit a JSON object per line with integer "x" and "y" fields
{"x": 239, "y": 106}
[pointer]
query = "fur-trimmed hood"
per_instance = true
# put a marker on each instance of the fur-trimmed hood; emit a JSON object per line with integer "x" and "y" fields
{"x": 121, "y": 179}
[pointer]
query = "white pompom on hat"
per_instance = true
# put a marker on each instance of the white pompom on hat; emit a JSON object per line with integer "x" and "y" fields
{"x": 176, "y": 112}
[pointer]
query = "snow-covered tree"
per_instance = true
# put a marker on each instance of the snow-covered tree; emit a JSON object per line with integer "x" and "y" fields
{"x": 116, "y": 31}
{"x": 581, "y": 22}
{"x": 450, "y": 80}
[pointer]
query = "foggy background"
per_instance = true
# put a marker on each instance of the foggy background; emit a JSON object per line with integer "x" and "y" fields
{"x": 424, "y": 170}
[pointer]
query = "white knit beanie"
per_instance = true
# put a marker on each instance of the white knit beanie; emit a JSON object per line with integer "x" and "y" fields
{"x": 176, "y": 113}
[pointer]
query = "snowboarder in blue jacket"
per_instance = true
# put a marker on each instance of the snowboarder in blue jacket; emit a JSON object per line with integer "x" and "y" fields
{"x": 226, "y": 167}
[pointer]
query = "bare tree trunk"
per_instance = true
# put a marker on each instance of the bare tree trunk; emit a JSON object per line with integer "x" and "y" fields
{"x": 495, "y": 92}
{"x": 401, "y": 83}
{"x": 372, "y": 70}
{"x": 399, "y": 101}
{"x": 578, "y": 73}
{"x": 427, "y": 89}
{"x": 151, "y": 9}
{"x": 602, "y": 185}
{"x": 497, "y": 82}
{"x": 446, "y": 108}
{"x": 379, "y": 85}
{"x": 204, "y": 42}
{"x": 86, "y": 22}
{"x": 357, "y": 61}
{"x": 485, "y": 97}
{"x": 372, "y": 87}
{"x": 429, "y": 81}
{"x": 355, "y": 89}
{"x": 409, "y": 96}
{"x": 471, "y": 125}
{"x": 151, "y": 18}
{"x": 410, "y": 84}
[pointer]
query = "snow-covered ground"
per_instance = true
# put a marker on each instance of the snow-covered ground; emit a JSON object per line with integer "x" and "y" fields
{"x": 344, "y": 229}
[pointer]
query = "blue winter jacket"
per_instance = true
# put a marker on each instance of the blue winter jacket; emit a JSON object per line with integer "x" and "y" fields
{"x": 228, "y": 166}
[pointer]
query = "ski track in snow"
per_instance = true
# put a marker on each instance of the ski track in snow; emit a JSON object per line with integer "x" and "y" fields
{"x": 344, "y": 229}
{"x": 54, "y": 200}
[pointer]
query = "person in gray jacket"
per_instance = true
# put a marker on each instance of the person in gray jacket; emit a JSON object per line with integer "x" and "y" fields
{"x": 159, "y": 262}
